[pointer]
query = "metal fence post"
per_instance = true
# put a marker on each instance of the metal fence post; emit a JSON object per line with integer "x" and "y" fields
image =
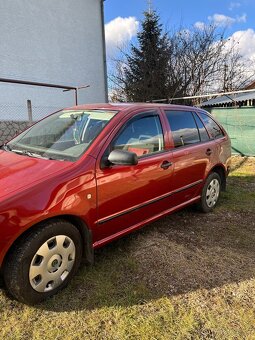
{"x": 29, "y": 111}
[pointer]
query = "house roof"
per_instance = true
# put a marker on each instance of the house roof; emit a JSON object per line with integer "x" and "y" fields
{"x": 238, "y": 97}
{"x": 250, "y": 86}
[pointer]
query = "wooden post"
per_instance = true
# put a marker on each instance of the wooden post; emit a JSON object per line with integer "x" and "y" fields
{"x": 76, "y": 96}
{"x": 29, "y": 111}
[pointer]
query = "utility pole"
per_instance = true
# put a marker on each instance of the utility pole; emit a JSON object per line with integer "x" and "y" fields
{"x": 225, "y": 79}
{"x": 29, "y": 111}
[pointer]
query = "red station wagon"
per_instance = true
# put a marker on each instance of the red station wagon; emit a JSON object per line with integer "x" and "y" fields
{"x": 87, "y": 175}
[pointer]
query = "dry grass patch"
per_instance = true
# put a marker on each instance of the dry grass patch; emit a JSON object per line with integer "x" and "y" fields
{"x": 187, "y": 276}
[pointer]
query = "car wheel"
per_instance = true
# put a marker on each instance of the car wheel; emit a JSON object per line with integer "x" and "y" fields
{"x": 210, "y": 193}
{"x": 43, "y": 261}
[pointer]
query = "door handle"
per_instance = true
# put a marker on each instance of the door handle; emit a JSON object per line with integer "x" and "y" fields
{"x": 208, "y": 152}
{"x": 165, "y": 165}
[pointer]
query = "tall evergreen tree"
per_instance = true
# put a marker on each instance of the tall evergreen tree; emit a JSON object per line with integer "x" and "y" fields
{"x": 147, "y": 71}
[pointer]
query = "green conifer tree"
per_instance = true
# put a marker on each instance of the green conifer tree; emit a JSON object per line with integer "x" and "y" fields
{"x": 147, "y": 72}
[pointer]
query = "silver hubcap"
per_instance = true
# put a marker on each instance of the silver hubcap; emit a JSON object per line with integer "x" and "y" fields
{"x": 52, "y": 263}
{"x": 212, "y": 193}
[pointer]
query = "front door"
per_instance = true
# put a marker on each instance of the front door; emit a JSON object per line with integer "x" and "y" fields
{"x": 129, "y": 195}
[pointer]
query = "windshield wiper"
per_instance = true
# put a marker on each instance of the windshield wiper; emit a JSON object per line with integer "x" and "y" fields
{"x": 6, "y": 147}
{"x": 28, "y": 153}
{"x": 36, "y": 155}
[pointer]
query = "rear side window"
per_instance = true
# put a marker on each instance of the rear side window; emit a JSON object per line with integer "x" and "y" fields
{"x": 202, "y": 131}
{"x": 141, "y": 135}
{"x": 183, "y": 127}
{"x": 212, "y": 127}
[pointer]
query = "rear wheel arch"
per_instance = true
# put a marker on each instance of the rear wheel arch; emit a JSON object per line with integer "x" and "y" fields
{"x": 210, "y": 193}
{"x": 220, "y": 170}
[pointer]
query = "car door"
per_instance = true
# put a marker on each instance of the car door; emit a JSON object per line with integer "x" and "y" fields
{"x": 128, "y": 196}
{"x": 193, "y": 152}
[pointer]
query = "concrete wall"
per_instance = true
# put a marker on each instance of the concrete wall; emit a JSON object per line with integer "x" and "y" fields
{"x": 9, "y": 129}
{"x": 53, "y": 41}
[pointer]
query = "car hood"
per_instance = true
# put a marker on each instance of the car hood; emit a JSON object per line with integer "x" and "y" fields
{"x": 18, "y": 171}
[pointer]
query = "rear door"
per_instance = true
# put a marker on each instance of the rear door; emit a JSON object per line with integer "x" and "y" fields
{"x": 192, "y": 154}
{"x": 129, "y": 195}
{"x": 221, "y": 139}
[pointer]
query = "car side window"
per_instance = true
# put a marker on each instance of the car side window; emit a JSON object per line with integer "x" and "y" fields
{"x": 212, "y": 127}
{"x": 142, "y": 135}
{"x": 202, "y": 130}
{"x": 183, "y": 127}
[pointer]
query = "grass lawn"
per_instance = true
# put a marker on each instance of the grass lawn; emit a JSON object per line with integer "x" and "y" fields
{"x": 187, "y": 276}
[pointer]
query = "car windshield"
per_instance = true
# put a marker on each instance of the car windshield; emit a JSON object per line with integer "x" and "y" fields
{"x": 65, "y": 135}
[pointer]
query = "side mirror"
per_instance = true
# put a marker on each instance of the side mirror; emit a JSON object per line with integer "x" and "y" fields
{"x": 122, "y": 157}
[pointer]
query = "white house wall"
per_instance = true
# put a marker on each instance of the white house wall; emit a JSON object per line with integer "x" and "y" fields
{"x": 52, "y": 41}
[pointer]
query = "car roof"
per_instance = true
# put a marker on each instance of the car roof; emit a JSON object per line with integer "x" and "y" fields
{"x": 124, "y": 106}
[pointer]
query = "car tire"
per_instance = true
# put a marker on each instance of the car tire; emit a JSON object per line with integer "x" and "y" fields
{"x": 43, "y": 261}
{"x": 210, "y": 193}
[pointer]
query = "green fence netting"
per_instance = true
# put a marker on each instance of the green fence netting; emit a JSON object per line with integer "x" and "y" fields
{"x": 240, "y": 126}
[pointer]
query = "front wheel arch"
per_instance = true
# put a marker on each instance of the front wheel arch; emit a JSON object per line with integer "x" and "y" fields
{"x": 18, "y": 262}
{"x": 85, "y": 232}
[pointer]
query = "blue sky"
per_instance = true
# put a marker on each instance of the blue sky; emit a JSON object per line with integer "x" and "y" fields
{"x": 237, "y": 17}
{"x": 186, "y": 12}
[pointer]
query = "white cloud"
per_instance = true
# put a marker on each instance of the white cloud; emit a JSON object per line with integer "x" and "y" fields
{"x": 200, "y": 25}
{"x": 234, "y": 5}
{"x": 224, "y": 20}
{"x": 241, "y": 18}
{"x": 245, "y": 40}
{"x": 119, "y": 31}
{"x": 221, "y": 20}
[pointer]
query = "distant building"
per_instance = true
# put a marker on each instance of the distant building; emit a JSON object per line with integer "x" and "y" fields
{"x": 251, "y": 86}
{"x": 51, "y": 41}
{"x": 241, "y": 99}
{"x": 233, "y": 100}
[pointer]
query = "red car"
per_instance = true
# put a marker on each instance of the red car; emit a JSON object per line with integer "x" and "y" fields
{"x": 87, "y": 175}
